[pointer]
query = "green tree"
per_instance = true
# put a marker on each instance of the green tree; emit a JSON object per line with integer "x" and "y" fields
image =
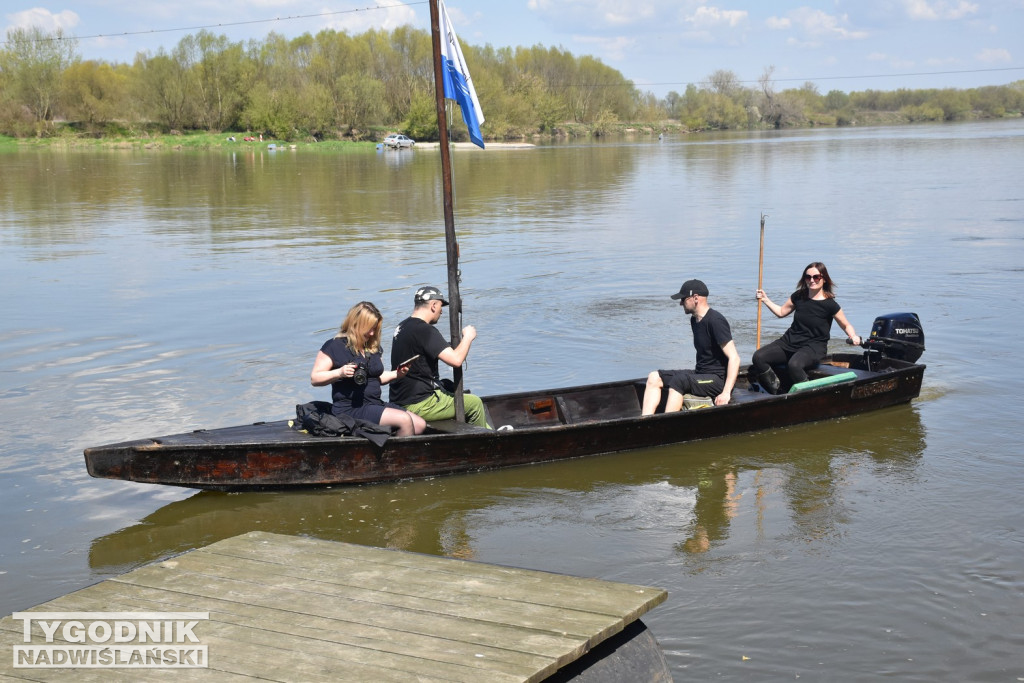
{"x": 770, "y": 106}
{"x": 161, "y": 86}
{"x": 725, "y": 82}
{"x": 922, "y": 112}
{"x": 33, "y": 64}
{"x": 96, "y": 93}
{"x": 954, "y": 104}
{"x": 673, "y": 105}
{"x": 281, "y": 69}
{"x": 220, "y": 78}
{"x": 604, "y": 121}
{"x": 422, "y": 121}
{"x": 836, "y": 100}
{"x": 359, "y": 101}
{"x": 268, "y": 111}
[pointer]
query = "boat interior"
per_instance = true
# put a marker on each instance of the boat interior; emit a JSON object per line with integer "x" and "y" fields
{"x": 577, "y": 405}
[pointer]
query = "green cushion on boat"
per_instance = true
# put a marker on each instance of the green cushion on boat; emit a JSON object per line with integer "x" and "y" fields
{"x": 822, "y": 382}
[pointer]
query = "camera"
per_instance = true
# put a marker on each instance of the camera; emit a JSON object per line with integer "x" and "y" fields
{"x": 360, "y": 375}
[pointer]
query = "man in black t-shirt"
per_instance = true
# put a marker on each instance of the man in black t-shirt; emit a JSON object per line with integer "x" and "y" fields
{"x": 420, "y": 390}
{"x": 718, "y": 362}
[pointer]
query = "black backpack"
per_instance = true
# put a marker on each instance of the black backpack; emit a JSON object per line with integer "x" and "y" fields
{"x": 317, "y": 419}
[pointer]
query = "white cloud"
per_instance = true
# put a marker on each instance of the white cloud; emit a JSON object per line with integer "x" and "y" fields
{"x": 814, "y": 27}
{"x": 994, "y": 56}
{"x": 576, "y": 15}
{"x": 712, "y": 17}
{"x": 814, "y": 22}
{"x": 44, "y": 19}
{"x": 611, "y": 49}
{"x": 387, "y": 18}
{"x": 924, "y": 10}
{"x": 624, "y": 19}
{"x": 892, "y": 61}
{"x": 711, "y": 25}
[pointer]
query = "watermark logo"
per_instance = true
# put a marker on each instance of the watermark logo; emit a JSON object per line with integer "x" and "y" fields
{"x": 110, "y": 640}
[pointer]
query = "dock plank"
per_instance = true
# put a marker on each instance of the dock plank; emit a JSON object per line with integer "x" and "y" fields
{"x": 557, "y": 589}
{"x": 287, "y": 608}
{"x": 239, "y": 647}
{"x": 384, "y": 640}
{"x": 438, "y": 598}
{"x": 393, "y": 649}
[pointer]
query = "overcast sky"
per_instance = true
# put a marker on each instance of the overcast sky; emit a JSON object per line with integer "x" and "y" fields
{"x": 661, "y": 45}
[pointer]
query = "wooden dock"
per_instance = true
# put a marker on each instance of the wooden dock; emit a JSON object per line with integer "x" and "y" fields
{"x": 291, "y": 608}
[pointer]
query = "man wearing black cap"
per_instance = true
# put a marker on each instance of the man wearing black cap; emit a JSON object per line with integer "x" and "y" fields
{"x": 420, "y": 390}
{"x": 718, "y": 362}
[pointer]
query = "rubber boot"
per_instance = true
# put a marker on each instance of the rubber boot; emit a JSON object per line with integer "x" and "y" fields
{"x": 769, "y": 381}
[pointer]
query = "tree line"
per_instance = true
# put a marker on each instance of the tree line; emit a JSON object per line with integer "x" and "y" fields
{"x": 333, "y": 85}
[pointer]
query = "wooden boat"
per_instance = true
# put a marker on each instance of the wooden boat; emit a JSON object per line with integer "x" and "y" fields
{"x": 546, "y": 425}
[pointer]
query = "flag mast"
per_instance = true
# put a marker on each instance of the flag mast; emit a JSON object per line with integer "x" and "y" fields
{"x": 451, "y": 245}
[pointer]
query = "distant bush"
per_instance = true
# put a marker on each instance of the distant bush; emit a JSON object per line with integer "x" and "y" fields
{"x": 923, "y": 112}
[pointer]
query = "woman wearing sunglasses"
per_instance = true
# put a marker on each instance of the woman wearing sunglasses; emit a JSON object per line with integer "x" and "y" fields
{"x": 805, "y": 343}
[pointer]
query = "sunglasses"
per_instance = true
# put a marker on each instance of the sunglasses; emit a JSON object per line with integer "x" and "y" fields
{"x": 812, "y": 278}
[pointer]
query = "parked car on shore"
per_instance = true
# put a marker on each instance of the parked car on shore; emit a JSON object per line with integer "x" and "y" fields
{"x": 396, "y": 141}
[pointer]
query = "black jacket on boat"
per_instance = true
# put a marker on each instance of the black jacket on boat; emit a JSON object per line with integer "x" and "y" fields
{"x": 317, "y": 419}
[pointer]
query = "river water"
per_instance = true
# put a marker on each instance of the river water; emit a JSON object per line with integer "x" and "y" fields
{"x": 149, "y": 292}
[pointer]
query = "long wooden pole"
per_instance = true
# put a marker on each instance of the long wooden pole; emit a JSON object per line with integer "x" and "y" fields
{"x": 451, "y": 245}
{"x": 760, "y": 280}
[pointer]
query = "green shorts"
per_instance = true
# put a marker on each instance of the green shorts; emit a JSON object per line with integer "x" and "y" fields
{"x": 441, "y": 406}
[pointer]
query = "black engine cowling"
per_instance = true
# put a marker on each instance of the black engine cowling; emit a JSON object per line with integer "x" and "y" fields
{"x": 897, "y": 335}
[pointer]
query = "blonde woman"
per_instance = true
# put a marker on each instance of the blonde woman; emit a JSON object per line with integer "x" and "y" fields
{"x": 351, "y": 363}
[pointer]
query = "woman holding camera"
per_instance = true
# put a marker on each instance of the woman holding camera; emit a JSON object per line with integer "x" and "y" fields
{"x": 351, "y": 363}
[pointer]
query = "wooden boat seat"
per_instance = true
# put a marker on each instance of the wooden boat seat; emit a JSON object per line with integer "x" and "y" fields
{"x": 747, "y": 396}
{"x": 524, "y": 411}
{"x": 454, "y": 427}
{"x": 823, "y": 369}
{"x": 599, "y": 403}
{"x": 829, "y": 370}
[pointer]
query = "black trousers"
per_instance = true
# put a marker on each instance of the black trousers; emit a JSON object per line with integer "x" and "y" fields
{"x": 797, "y": 362}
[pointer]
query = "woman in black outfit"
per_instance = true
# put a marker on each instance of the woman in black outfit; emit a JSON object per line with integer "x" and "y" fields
{"x": 805, "y": 343}
{"x": 351, "y": 363}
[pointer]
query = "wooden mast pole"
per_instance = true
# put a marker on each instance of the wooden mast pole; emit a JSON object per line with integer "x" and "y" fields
{"x": 451, "y": 245}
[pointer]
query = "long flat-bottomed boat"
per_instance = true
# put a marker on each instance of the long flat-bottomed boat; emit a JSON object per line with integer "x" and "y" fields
{"x": 540, "y": 426}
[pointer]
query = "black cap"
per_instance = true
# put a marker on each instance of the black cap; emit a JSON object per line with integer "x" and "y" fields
{"x": 424, "y": 294}
{"x": 691, "y": 287}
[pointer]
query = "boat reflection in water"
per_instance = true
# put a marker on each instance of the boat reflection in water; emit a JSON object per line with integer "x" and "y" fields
{"x": 696, "y": 495}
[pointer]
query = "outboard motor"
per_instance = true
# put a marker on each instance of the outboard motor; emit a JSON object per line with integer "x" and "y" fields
{"x": 897, "y": 335}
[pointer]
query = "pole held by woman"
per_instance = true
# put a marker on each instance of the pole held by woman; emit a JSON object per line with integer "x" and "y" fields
{"x": 760, "y": 280}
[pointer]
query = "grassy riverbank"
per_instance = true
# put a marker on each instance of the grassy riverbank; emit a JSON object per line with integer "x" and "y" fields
{"x": 182, "y": 141}
{"x": 69, "y": 137}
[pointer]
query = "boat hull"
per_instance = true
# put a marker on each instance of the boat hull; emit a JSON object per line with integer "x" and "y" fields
{"x": 547, "y": 425}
